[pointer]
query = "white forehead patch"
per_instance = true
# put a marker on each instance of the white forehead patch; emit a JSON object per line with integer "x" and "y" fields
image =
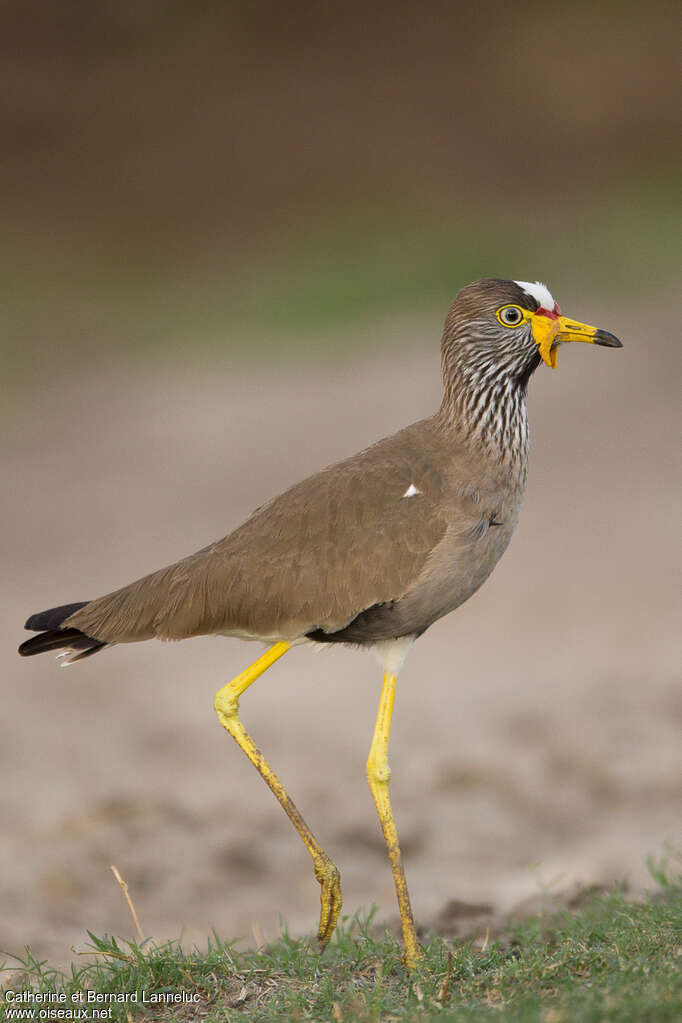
{"x": 540, "y": 292}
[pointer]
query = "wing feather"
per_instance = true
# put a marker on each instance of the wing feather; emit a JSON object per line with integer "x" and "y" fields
{"x": 312, "y": 558}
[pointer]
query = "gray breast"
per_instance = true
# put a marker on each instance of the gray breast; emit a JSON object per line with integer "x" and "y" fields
{"x": 455, "y": 569}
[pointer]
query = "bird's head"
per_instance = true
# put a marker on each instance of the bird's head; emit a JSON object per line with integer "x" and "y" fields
{"x": 511, "y": 326}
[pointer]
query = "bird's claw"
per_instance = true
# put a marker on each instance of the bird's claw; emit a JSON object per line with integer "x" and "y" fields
{"x": 330, "y": 898}
{"x": 413, "y": 958}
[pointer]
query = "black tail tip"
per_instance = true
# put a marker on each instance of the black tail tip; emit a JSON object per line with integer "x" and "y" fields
{"x": 75, "y": 644}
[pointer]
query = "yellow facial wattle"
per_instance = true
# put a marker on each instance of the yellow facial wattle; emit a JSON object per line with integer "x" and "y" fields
{"x": 545, "y": 329}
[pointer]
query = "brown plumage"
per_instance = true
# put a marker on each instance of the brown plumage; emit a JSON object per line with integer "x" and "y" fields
{"x": 371, "y": 550}
{"x": 344, "y": 555}
{"x": 314, "y": 558}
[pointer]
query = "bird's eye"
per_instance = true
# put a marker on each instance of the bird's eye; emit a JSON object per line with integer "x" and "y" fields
{"x": 510, "y": 315}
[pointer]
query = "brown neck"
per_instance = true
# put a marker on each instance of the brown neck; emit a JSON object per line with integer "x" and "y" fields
{"x": 484, "y": 402}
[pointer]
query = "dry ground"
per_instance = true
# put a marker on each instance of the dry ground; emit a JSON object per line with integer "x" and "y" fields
{"x": 536, "y": 733}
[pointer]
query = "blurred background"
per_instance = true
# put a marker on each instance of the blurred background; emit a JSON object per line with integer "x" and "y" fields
{"x": 231, "y": 232}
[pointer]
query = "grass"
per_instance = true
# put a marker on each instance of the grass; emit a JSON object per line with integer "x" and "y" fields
{"x": 614, "y": 960}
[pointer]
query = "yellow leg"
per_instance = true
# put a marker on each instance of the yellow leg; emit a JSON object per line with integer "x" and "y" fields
{"x": 226, "y": 703}
{"x": 379, "y": 775}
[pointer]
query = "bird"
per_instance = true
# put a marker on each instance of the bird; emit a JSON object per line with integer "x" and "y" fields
{"x": 368, "y": 552}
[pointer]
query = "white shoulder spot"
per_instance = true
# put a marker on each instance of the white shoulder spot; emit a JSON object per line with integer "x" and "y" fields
{"x": 412, "y": 491}
{"x": 540, "y": 292}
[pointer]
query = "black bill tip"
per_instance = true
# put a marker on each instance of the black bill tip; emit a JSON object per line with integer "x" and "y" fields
{"x": 607, "y": 339}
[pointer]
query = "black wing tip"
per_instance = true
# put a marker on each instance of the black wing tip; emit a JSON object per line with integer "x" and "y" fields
{"x": 44, "y": 621}
{"x": 53, "y": 637}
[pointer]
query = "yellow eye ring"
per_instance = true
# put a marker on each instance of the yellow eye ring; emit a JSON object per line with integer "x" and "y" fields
{"x": 511, "y": 315}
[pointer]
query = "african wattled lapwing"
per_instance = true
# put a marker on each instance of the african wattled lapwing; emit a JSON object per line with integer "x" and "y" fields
{"x": 370, "y": 551}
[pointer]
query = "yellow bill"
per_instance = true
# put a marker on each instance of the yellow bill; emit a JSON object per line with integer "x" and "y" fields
{"x": 549, "y": 331}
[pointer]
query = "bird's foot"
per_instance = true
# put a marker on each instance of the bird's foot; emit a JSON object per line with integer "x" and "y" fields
{"x": 413, "y": 957}
{"x": 330, "y": 898}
